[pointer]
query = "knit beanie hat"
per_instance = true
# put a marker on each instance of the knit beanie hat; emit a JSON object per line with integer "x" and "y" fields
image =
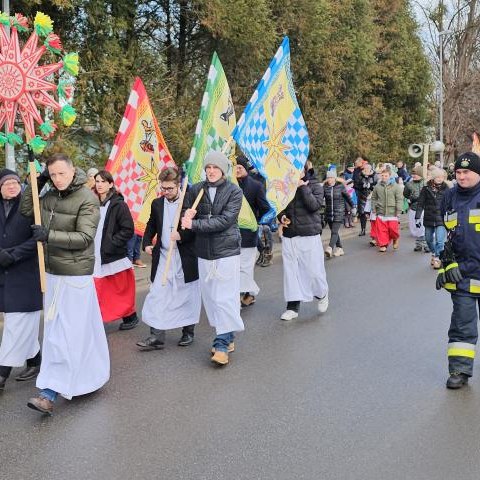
{"x": 436, "y": 172}
{"x": 332, "y": 174}
{"x": 7, "y": 174}
{"x": 418, "y": 171}
{"x": 218, "y": 159}
{"x": 468, "y": 161}
{"x": 244, "y": 162}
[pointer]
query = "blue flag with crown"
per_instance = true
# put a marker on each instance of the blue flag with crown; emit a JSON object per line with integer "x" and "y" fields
{"x": 272, "y": 132}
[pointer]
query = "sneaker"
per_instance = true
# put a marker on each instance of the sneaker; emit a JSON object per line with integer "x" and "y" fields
{"x": 129, "y": 322}
{"x": 437, "y": 264}
{"x": 396, "y": 243}
{"x": 373, "y": 243}
{"x": 260, "y": 259}
{"x": 418, "y": 248}
{"x": 338, "y": 252}
{"x": 323, "y": 304}
{"x": 457, "y": 380}
{"x": 41, "y": 404}
{"x": 247, "y": 300}
{"x": 230, "y": 348}
{"x": 28, "y": 373}
{"x": 151, "y": 343}
{"x": 138, "y": 263}
{"x": 426, "y": 249}
{"x": 267, "y": 259}
{"x": 220, "y": 358}
{"x": 329, "y": 252}
{"x": 382, "y": 249}
{"x": 186, "y": 340}
{"x": 288, "y": 315}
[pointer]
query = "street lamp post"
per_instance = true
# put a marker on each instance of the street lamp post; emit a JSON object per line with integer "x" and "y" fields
{"x": 9, "y": 150}
{"x": 440, "y": 114}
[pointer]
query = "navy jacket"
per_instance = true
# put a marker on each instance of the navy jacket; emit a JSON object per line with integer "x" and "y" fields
{"x": 254, "y": 192}
{"x": 19, "y": 283}
{"x": 461, "y": 211}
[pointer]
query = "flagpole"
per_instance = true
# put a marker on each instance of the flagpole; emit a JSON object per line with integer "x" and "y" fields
{"x": 175, "y": 229}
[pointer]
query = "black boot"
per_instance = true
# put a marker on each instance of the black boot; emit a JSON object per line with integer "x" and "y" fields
{"x": 129, "y": 322}
{"x": 457, "y": 380}
{"x": 4, "y": 374}
{"x": 260, "y": 259}
{"x": 32, "y": 369}
{"x": 362, "y": 233}
{"x": 267, "y": 258}
{"x": 187, "y": 336}
{"x": 156, "y": 341}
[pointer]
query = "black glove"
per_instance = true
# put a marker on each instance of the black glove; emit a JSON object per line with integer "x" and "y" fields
{"x": 450, "y": 265}
{"x": 43, "y": 178}
{"x": 418, "y": 224}
{"x": 6, "y": 259}
{"x": 441, "y": 279}
{"x": 39, "y": 233}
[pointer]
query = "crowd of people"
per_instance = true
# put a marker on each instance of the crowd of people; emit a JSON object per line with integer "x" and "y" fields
{"x": 201, "y": 256}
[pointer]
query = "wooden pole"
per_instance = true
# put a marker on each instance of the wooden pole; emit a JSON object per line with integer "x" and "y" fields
{"x": 197, "y": 201}
{"x": 37, "y": 219}
{"x": 175, "y": 226}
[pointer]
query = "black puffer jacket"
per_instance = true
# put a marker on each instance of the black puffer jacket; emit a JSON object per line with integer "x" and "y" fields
{"x": 254, "y": 193}
{"x": 429, "y": 202}
{"x": 336, "y": 201}
{"x": 216, "y": 230}
{"x": 118, "y": 229}
{"x": 364, "y": 187}
{"x": 304, "y": 211}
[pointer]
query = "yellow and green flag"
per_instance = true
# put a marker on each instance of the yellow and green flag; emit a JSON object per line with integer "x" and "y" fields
{"x": 214, "y": 128}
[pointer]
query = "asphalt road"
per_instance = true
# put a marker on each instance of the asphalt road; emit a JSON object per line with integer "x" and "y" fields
{"x": 357, "y": 393}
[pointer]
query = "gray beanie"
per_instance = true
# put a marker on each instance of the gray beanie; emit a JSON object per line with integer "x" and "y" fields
{"x": 332, "y": 174}
{"x": 218, "y": 159}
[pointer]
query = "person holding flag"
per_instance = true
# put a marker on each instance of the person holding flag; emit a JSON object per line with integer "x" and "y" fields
{"x": 254, "y": 192}
{"x": 217, "y": 245}
{"x": 173, "y": 301}
{"x": 75, "y": 351}
{"x": 304, "y": 276}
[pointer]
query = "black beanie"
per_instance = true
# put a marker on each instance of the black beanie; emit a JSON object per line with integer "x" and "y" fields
{"x": 244, "y": 162}
{"x": 468, "y": 161}
{"x": 6, "y": 174}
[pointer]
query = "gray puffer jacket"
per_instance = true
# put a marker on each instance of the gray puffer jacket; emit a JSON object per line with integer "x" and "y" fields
{"x": 71, "y": 217}
{"x": 216, "y": 230}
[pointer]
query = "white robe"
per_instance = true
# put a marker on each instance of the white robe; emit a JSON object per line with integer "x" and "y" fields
{"x": 220, "y": 284}
{"x": 75, "y": 357}
{"x": 176, "y": 304}
{"x": 20, "y": 338}
{"x": 304, "y": 275}
{"x": 248, "y": 257}
{"x": 414, "y": 231}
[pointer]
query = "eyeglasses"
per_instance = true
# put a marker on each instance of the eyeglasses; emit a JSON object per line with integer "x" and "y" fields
{"x": 168, "y": 189}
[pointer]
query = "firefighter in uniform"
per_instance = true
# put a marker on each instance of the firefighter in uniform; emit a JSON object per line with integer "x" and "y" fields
{"x": 460, "y": 272}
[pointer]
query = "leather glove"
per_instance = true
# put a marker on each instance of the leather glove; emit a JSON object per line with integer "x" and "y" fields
{"x": 6, "y": 259}
{"x": 39, "y": 233}
{"x": 418, "y": 224}
{"x": 452, "y": 273}
{"x": 441, "y": 279}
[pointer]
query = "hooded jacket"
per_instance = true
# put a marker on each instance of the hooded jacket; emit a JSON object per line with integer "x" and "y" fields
{"x": 429, "y": 202}
{"x": 71, "y": 217}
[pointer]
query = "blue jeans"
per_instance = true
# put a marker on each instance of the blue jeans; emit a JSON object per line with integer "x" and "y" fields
{"x": 222, "y": 341}
{"x": 435, "y": 237}
{"x": 133, "y": 247}
{"x": 49, "y": 394}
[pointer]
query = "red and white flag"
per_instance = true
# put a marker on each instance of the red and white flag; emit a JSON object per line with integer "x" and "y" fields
{"x": 138, "y": 155}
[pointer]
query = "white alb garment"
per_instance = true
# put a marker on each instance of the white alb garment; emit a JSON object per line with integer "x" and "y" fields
{"x": 176, "y": 304}
{"x": 304, "y": 275}
{"x": 99, "y": 270}
{"x": 248, "y": 257}
{"x": 20, "y": 338}
{"x": 414, "y": 231}
{"x": 75, "y": 357}
{"x": 219, "y": 285}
